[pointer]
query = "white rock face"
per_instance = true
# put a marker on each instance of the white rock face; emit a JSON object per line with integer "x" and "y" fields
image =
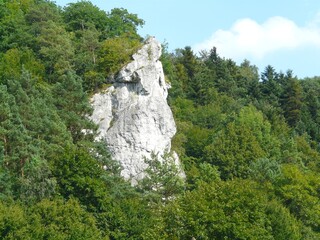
{"x": 133, "y": 115}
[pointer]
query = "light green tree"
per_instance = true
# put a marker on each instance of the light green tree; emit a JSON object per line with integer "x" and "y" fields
{"x": 228, "y": 210}
{"x": 163, "y": 180}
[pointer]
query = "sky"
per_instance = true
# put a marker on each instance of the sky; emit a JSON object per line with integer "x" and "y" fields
{"x": 282, "y": 33}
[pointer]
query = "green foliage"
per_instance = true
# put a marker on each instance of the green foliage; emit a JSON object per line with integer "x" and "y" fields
{"x": 82, "y": 15}
{"x": 13, "y": 29}
{"x": 242, "y": 142}
{"x": 298, "y": 190}
{"x": 271, "y": 87}
{"x": 189, "y": 61}
{"x": 233, "y": 151}
{"x": 264, "y": 170}
{"x": 115, "y": 53}
{"x": 79, "y": 175}
{"x": 49, "y": 219}
{"x": 248, "y": 78}
{"x": 163, "y": 180}
{"x": 13, "y": 222}
{"x": 37, "y": 182}
{"x": 42, "y": 11}
{"x": 5, "y": 178}
{"x": 55, "y": 49}
{"x": 73, "y": 106}
{"x": 14, "y": 135}
{"x": 14, "y": 60}
{"x": 132, "y": 218}
{"x": 228, "y": 210}
{"x": 310, "y": 108}
{"x": 205, "y": 173}
{"x": 87, "y": 48}
{"x": 232, "y": 125}
{"x": 248, "y": 144}
{"x": 292, "y": 101}
{"x": 62, "y": 220}
{"x": 31, "y": 133}
{"x": 283, "y": 224}
{"x": 121, "y": 22}
{"x": 198, "y": 139}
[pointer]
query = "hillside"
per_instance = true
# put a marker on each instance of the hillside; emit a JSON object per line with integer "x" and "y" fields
{"x": 248, "y": 142}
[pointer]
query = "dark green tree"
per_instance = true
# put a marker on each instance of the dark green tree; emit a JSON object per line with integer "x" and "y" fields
{"x": 42, "y": 11}
{"x": 13, "y": 27}
{"x": 241, "y": 143}
{"x": 121, "y": 22}
{"x": 271, "y": 88}
{"x": 248, "y": 80}
{"x": 189, "y": 61}
{"x": 37, "y": 182}
{"x": 56, "y": 49}
{"x": 81, "y": 176}
{"x": 292, "y": 100}
{"x": 83, "y": 15}
{"x": 297, "y": 191}
{"x": 13, "y": 135}
{"x": 73, "y": 106}
{"x": 163, "y": 180}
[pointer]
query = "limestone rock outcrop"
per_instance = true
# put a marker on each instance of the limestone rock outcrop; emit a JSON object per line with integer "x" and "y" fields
{"x": 133, "y": 115}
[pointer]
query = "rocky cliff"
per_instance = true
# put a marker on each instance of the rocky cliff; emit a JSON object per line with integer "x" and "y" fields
{"x": 133, "y": 115}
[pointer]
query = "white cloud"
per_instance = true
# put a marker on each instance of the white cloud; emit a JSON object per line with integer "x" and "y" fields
{"x": 249, "y": 39}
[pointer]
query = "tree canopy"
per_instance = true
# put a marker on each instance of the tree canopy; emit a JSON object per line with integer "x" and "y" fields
{"x": 248, "y": 142}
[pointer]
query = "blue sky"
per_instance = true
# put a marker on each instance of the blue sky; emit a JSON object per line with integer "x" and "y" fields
{"x": 282, "y": 33}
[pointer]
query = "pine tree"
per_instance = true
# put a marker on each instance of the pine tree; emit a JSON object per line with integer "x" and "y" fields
{"x": 292, "y": 100}
{"x": 73, "y": 106}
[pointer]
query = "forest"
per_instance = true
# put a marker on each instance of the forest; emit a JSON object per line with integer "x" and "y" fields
{"x": 248, "y": 141}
